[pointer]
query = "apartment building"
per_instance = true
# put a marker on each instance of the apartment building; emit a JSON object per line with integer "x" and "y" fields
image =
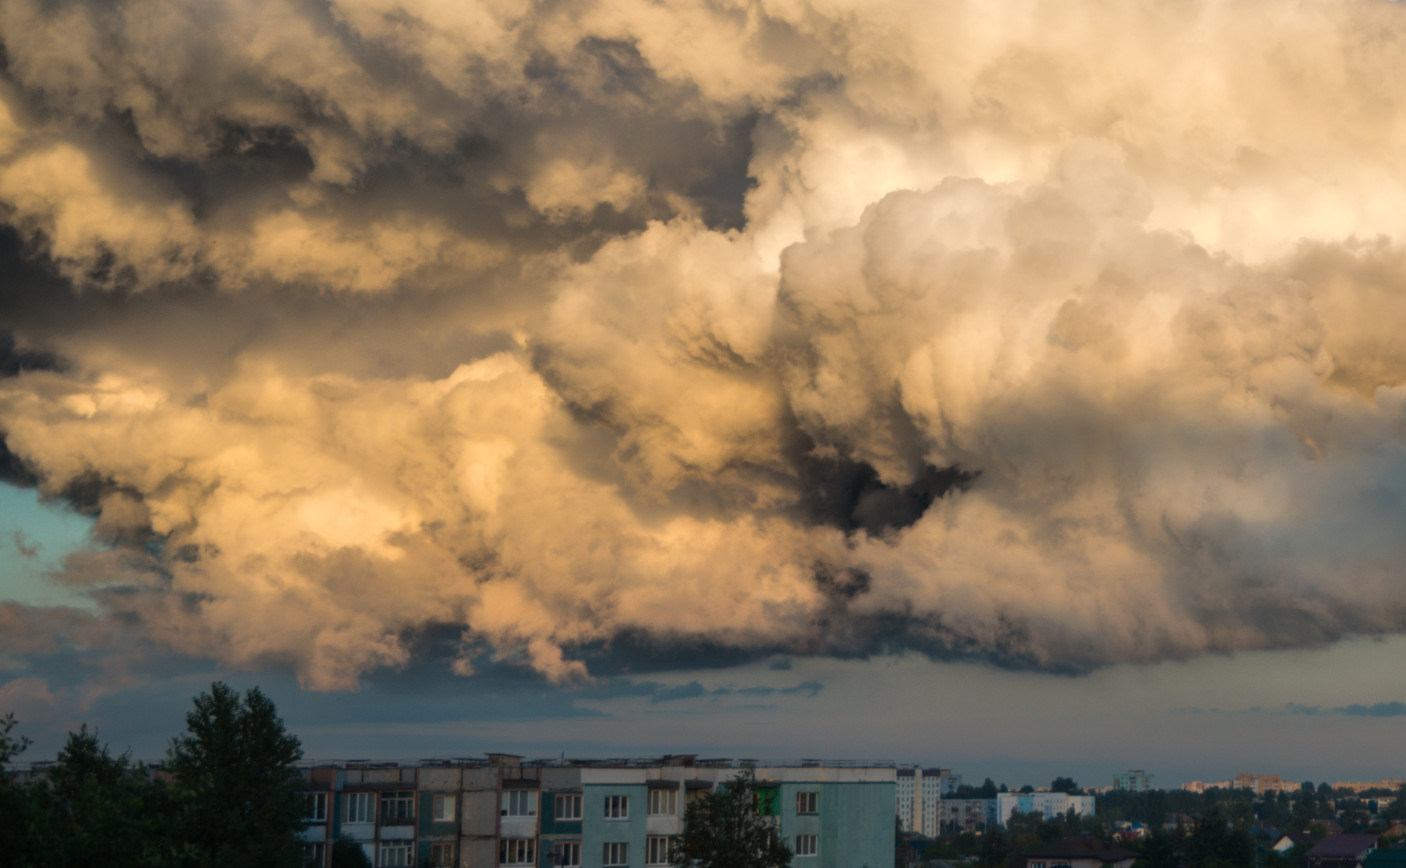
{"x": 919, "y": 797}
{"x": 502, "y": 812}
{"x": 966, "y": 815}
{"x": 1262, "y": 784}
{"x": 1134, "y": 781}
{"x": 1047, "y": 805}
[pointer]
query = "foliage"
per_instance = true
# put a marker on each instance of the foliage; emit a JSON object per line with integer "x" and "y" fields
{"x": 1063, "y": 784}
{"x": 346, "y": 853}
{"x": 1214, "y": 843}
{"x": 10, "y": 746}
{"x": 237, "y": 780}
{"x": 16, "y": 818}
{"x": 98, "y": 809}
{"x": 722, "y": 829}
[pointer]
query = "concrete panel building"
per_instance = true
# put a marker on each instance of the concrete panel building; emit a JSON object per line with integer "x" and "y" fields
{"x": 501, "y": 812}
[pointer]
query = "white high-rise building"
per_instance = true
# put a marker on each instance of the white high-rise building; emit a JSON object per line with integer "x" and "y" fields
{"x": 919, "y": 797}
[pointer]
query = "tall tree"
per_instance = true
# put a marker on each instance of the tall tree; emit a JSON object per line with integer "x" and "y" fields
{"x": 1063, "y": 784}
{"x": 11, "y": 746}
{"x": 17, "y": 810}
{"x": 235, "y": 771}
{"x": 724, "y": 829}
{"x": 98, "y": 809}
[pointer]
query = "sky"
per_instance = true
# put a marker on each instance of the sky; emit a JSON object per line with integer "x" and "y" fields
{"x": 1003, "y": 385}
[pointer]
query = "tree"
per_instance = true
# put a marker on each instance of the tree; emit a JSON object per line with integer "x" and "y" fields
{"x": 1213, "y": 844}
{"x": 236, "y": 775}
{"x": 346, "y": 853}
{"x": 725, "y": 829}
{"x": 1063, "y": 784}
{"x": 96, "y": 809}
{"x": 17, "y": 814}
{"x": 11, "y": 746}
{"x": 994, "y": 848}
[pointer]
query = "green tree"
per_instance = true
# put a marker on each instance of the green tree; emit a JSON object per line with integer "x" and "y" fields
{"x": 1158, "y": 850}
{"x": 97, "y": 809}
{"x": 1063, "y": 784}
{"x": 1214, "y": 844}
{"x": 236, "y": 776}
{"x": 17, "y": 810}
{"x": 723, "y": 829}
{"x": 1397, "y": 809}
{"x": 903, "y": 853}
{"x": 995, "y": 848}
{"x": 346, "y": 853}
{"x": 11, "y": 746}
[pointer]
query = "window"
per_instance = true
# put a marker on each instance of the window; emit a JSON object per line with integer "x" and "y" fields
{"x": 315, "y": 854}
{"x": 807, "y": 845}
{"x": 515, "y": 851}
{"x": 315, "y": 807}
{"x": 617, "y": 808}
{"x": 395, "y": 856}
{"x": 616, "y": 852}
{"x": 441, "y": 856}
{"x": 568, "y": 807}
{"x": 361, "y": 808}
{"x": 663, "y": 803}
{"x": 442, "y": 809}
{"x": 568, "y": 853}
{"x": 519, "y": 803}
{"x": 658, "y": 850}
{"x": 807, "y": 803}
{"x": 398, "y": 805}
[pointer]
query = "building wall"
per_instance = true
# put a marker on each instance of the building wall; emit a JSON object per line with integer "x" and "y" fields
{"x": 596, "y": 830}
{"x": 854, "y": 822}
{"x": 1047, "y": 805}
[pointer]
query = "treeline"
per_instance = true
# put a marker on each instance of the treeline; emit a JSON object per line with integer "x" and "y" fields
{"x": 1298, "y": 811}
{"x": 226, "y": 796}
{"x": 1218, "y": 828}
{"x": 1209, "y": 841}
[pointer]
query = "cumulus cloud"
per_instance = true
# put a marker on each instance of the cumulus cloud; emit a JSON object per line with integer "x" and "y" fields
{"x": 1057, "y": 338}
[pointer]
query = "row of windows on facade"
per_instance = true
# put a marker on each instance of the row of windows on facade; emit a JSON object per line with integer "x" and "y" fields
{"x": 399, "y": 805}
{"x": 392, "y": 854}
{"x": 659, "y": 850}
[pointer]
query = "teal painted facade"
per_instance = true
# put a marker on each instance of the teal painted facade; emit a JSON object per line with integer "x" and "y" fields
{"x": 597, "y": 831}
{"x": 429, "y": 831}
{"x": 853, "y": 824}
{"x": 554, "y": 828}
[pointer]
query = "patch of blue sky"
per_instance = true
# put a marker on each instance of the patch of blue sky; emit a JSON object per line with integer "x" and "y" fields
{"x": 34, "y": 539}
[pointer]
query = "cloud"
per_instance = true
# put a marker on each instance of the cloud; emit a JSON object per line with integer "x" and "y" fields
{"x": 1377, "y": 709}
{"x": 695, "y": 689}
{"x": 26, "y": 550}
{"x": 615, "y": 337}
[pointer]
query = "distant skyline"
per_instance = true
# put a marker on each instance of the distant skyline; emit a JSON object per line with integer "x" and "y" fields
{"x": 1012, "y": 386}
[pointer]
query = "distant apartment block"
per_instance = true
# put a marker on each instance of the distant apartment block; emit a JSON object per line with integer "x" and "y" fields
{"x": 1203, "y": 786}
{"x": 1134, "y": 781}
{"x": 1262, "y": 784}
{"x": 1047, "y": 805}
{"x": 966, "y": 815}
{"x": 919, "y": 794}
{"x": 1361, "y": 786}
{"x": 502, "y": 812}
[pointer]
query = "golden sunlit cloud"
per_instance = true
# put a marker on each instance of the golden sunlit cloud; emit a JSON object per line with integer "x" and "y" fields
{"x": 1054, "y": 335}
